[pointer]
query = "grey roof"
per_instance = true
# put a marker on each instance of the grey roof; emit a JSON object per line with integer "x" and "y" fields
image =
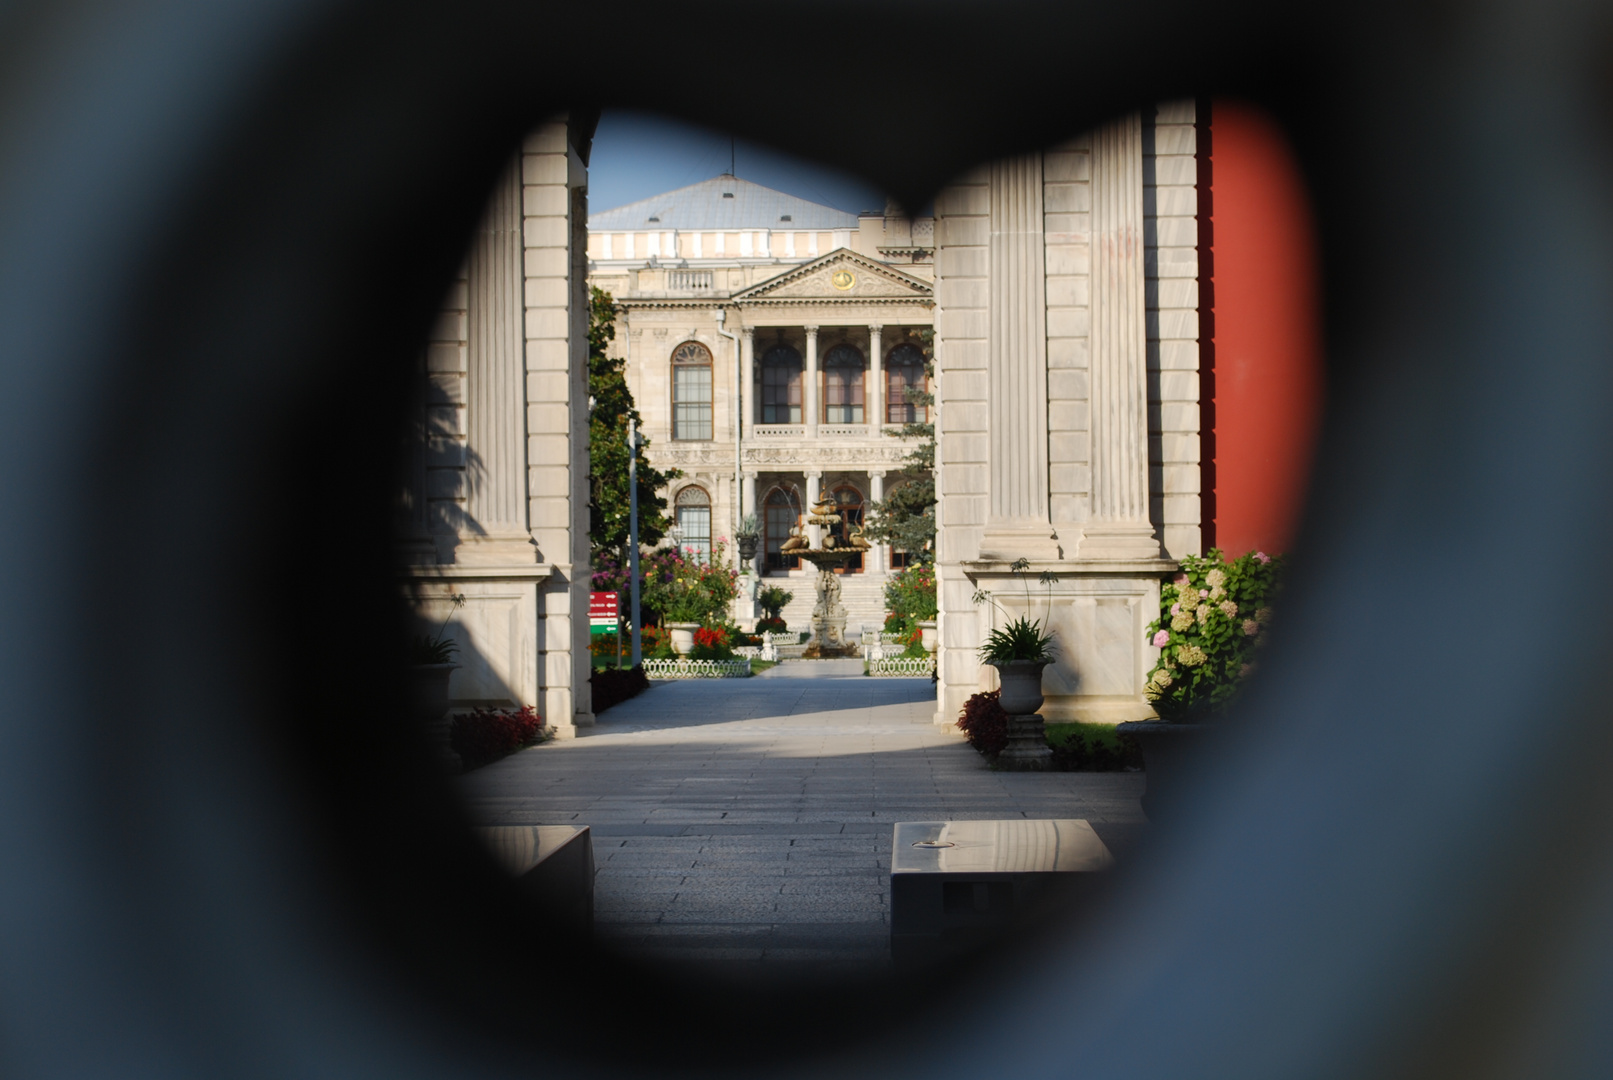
{"x": 702, "y": 206}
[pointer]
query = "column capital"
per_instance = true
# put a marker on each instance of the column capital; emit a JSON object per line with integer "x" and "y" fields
{"x": 812, "y": 331}
{"x": 748, "y": 332}
{"x": 877, "y": 472}
{"x": 813, "y": 474}
{"x": 875, "y": 328}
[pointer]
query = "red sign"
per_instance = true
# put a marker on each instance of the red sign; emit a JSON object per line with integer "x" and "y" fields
{"x": 602, "y": 609}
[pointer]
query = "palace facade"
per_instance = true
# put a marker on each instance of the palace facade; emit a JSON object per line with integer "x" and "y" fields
{"x": 771, "y": 339}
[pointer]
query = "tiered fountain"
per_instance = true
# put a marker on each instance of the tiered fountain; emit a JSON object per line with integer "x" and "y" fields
{"x": 828, "y": 614}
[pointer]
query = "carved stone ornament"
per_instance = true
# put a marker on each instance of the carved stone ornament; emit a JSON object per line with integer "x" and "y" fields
{"x": 839, "y": 275}
{"x": 781, "y": 455}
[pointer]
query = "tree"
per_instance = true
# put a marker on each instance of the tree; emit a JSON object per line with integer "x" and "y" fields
{"x": 905, "y": 519}
{"x": 610, "y": 409}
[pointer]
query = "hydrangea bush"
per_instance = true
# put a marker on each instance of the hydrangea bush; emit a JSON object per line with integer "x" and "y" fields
{"x": 1212, "y": 620}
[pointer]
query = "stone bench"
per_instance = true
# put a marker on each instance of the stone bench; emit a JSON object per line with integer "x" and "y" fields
{"x": 956, "y": 885}
{"x": 553, "y": 865}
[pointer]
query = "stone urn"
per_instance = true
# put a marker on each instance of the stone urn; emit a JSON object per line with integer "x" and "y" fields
{"x": 1020, "y": 697}
{"x": 927, "y": 639}
{"x": 1170, "y": 749}
{"x": 428, "y": 692}
{"x": 682, "y": 636}
{"x": 747, "y": 546}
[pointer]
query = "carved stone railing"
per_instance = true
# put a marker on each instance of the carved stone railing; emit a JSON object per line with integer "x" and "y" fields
{"x": 897, "y": 667}
{"x": 689, "y": 280}
{"x": 842, "y": 431}
{"x": 778, "y": 431}
{"x": 696, "y": 669}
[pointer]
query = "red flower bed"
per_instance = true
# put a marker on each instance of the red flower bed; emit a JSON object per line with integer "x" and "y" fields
{"x": 482, "y": 736}
{"x": 711, "y": 639}
{"x": 984, "y": 722}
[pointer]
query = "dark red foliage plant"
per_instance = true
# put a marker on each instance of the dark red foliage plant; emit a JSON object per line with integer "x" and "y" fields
{"x": 482, "y": 736}
{"x": 984, "y": 723}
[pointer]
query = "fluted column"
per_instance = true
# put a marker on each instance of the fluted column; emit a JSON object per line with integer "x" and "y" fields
{"x": 1018, "y": 522}
{"x": 809, "y": 392}
{"x": 813, "y": 480}
{"x": 875, "y": 398}
{"x": 747, "y": 378}
{"x": 495, "y": 386}
{"x": 1118, "y": 525}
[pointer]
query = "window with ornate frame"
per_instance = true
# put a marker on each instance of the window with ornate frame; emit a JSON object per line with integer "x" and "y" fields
{"x": 904, "y": 370}
{"x": 781, "y": 512}
{"x": 691, "y": 392}
{"x": 693, "y": 510}
{"x": 781, "y": 385}
{"x": 843, "y": 378}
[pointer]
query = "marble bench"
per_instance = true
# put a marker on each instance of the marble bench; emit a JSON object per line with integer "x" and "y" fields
{"x": 553, "y": 865}
{"x": 955, "y": 885}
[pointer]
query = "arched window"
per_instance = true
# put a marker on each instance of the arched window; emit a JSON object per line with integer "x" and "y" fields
{"x": 843, "y": 385}
{"x": 781, "y": 385}
{"x": 849, "y": 505}
{"x": 781, "y": 513}
{"x": 693, "y": 507}
{"x": 691, "y": 391}
{"x": 904, "y": 370}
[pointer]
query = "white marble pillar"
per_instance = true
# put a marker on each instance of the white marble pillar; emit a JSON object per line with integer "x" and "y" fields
{"x": 874, "y": 558}
{"x": 747, "y": 378}
{"x": 874, "y": 400}
{"x": 747, "y": 490}
{"x": 812, "y": 531}
{"x": 1018, "y": 524}
{"x": 1118, "y": 525}
{"x": 495, "y": 387}
{"x": 809, "y": 391}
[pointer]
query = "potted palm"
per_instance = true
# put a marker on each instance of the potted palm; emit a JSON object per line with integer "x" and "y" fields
{"x": 1020, "y": 650}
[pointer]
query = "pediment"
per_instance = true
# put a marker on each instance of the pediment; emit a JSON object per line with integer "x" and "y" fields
{"x": 841, "y": 275}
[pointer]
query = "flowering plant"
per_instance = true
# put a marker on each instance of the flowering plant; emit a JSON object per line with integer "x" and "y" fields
{"x": 712, "y": 643}
{"x": 1023, "y": 638}
{"x": 689, "y": 589}
{"x": 1212, "y": 620}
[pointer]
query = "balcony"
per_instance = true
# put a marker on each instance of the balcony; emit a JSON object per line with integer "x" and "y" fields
{"x": 689, "y": 280}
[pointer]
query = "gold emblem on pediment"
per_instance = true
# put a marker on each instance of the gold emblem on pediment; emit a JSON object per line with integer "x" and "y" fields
{"x": 843, "y": 279}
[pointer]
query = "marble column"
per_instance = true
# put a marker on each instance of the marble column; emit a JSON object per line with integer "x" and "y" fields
{"x": 809, "y": 392}
{"x": 874, "y": 557}
{"x": 747, "y": 494}
{"x": 1018, "y": 524}
{"x": 813, "y": 480}
{"x": 747, "y": 379}
{"x": 495, "y": 387}
{"x": 874, "y": 400}
{"x": 1118, "y": 526}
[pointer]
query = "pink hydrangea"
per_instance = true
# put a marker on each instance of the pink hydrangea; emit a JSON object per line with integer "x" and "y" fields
{"x": 1176, "y": 609}
{"x": 1162, "y": 639}
{"x": 1204, "y": 592}
{"x": 1181, "y": 579}
{"x": 1262, "y": 558}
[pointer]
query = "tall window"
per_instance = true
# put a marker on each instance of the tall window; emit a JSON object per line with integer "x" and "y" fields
{"x": 694, "y": 518}
{"x": 781, "y": 385}
{"x": 781, "y": 513}
{"x": 843, "y": 385}
{"x": 904, "y": 370}
{"x": 691, "y": 391}
{"x": 849, "y": 505}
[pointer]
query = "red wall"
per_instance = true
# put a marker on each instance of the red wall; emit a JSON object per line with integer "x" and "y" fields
{"x": 1262, "y": 366}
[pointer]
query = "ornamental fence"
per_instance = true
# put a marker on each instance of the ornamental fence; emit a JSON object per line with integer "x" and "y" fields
{"x": 696, "y": 669}
{"x": 900, "y": 667}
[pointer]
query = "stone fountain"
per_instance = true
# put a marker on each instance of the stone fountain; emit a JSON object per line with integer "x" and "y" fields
{"x": 828, "y": 614}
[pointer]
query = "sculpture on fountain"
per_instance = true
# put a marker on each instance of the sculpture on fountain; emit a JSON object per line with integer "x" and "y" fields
{"x": 828, "y": 614}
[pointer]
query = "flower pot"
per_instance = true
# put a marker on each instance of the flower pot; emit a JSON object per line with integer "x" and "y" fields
{"x": 428, "y": 686}
{"x": 1170, "y": 751}
{"x": 747, "y": 547}
{"x": 1021, "y": 685}
{"x": 682, "y": 636}
{"x": 927, "y": 639}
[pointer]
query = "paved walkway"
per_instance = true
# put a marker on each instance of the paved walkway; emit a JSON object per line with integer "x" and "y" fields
{"x": 749, "y": 821}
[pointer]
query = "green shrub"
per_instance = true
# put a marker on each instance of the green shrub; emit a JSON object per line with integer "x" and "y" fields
{"x": 772, "y": 600}
{"x": 910, "y": 595}
{"x": 1212, "y": 621}
{"x": 1092, "y": 748}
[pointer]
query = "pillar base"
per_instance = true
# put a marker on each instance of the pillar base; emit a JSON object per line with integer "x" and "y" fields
{"x": 1099, "y": 541}
{"x": 1027, "y": 749}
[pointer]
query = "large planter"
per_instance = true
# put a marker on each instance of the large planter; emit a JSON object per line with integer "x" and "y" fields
{"x": 747, "y": 547}
{"x": 682, "y": 636}
{"x": 1020, "y": 697}
{"x": 1170, "y": 751}
{"x": 927, "y": 639}
{"x": 428, "y": 693}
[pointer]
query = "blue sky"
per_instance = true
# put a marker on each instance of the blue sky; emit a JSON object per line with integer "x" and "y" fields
{"x": 637, "y": 155}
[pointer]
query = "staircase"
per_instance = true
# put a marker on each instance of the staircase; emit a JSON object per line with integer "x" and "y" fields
{"x": 862, "y": 595}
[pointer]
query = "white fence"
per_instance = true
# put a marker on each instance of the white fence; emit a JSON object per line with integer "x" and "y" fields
{"x": 897, "y": 667}
{"x": 696, "y": 669}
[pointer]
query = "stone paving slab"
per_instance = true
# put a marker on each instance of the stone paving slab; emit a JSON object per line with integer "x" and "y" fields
{"x": 744, "y": 825}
